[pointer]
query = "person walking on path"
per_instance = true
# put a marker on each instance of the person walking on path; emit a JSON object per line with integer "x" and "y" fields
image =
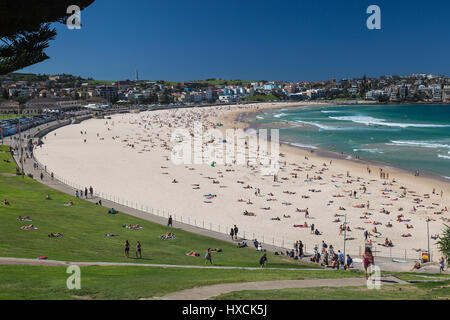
{"x": 85, "y": 192}
{"x": 77, "y": 194}
{"x": 208, "y": 256}
{"x": 42, "y": 176}
{"x": 138, "y": 250}
{"x": 91, "y": 191}
{"x": 368, "y": 260}
{"x": 169, "y": 223}
{"x": 263, "y": 260}
{"x": 300, "y": 249}
{"x": 127, "y": 249}
{"x": 235, "y": 232}
{"x": 441, "y": 265}
{"x": 232, "y": 233}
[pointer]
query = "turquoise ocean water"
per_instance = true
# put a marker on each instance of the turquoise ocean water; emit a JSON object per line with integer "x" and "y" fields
{"x": 412, "y": 137}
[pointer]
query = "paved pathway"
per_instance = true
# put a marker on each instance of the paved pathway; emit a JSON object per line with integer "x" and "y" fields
{"x": 207, "y": 292}
{"x": 23, "y": 261}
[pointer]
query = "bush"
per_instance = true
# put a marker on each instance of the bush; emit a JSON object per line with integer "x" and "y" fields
{"x": 444, "y": 243}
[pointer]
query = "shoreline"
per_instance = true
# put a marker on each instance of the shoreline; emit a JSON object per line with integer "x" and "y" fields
{"x": 328, "y": 154}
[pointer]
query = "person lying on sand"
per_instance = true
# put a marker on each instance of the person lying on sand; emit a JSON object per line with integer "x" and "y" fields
{"x": 285, "y": 216}
{"x": 407, "y": 235}
{"x": 299, "y": 226}
{"x": 251, "y": 214}
{"x": 275, "y": 219}
{"x": 174, "y": 181}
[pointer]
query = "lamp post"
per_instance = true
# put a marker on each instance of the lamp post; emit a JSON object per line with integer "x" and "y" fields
{"x": 428, "y": 238}
{"x": 345, "y": 236}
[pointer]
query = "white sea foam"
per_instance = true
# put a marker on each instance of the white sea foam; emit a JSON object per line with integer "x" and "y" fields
{"x": 422, "y": 144}
{"x": 320, "y": 126}
{"x": 279, "y": 115}
{"x": 443, "y": 157}
{"x": 259, "y": 117}
{"x": 329, "y": 111}
{"x": 300, "y": 145}
{"x": 369, "y": 150}
{"x": 366, "y": 120}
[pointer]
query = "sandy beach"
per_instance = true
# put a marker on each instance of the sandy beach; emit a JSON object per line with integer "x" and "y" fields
{"x": 129, "y": 157}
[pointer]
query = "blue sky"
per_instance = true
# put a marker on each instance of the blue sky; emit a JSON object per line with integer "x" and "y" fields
{"x": 292, "y": 40}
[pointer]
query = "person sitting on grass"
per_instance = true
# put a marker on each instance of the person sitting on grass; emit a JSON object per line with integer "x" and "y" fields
{"x": 168, "y": 235}
{"x": 26, "y": 218}
{"x": 56, "y": 235}
{"x": 112, "y": 211}
{"x": 47, "y": 197}
{"x": 5, "y": 203}
{"x": 69, "y": 204}
{"x": 242, "y": 244}
{"x": 110, "y": 235}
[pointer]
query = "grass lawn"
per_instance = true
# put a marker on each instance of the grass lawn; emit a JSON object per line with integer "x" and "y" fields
{"x": 84, "y": 227}
{"x": 417, "y": 291}
{"x": 45, "y": 282}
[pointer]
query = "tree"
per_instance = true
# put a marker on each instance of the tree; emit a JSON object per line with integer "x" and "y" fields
{"x": 444, "y": 243}
{"x": 25, "y": 30}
